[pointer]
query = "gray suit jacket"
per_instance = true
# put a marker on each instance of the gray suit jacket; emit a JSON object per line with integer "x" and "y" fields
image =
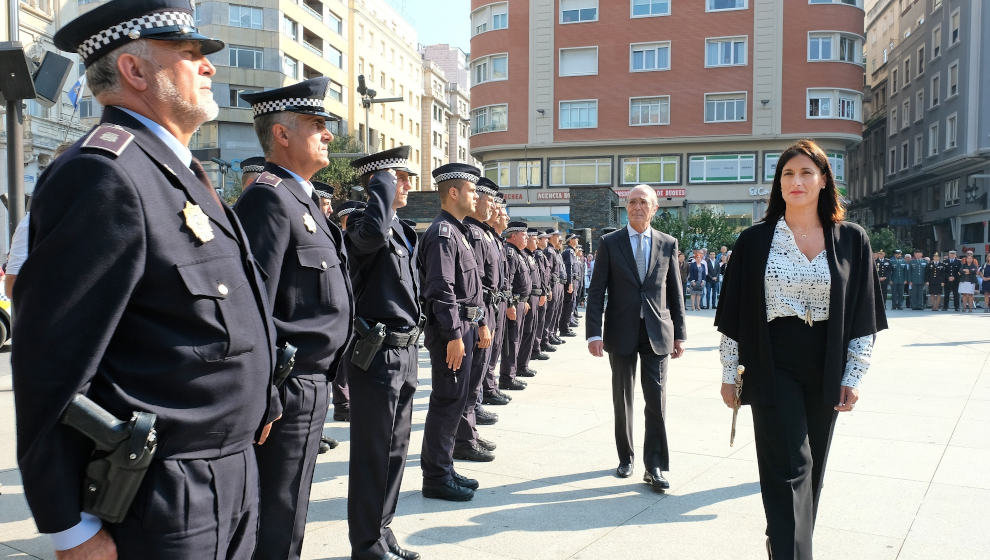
{"x": 659, "y": 296}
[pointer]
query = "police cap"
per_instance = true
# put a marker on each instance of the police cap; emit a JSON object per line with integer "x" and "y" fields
{"x": 451, "y": 171}
{"x": 307, "y": 97}
{"x": 396, "y": 158}
{"x": 487, "y": 187}
{"x": 253, "y": 164}
{"x": 349, "y": 207}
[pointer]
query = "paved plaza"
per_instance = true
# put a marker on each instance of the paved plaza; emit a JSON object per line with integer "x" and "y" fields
{"x": 908, "y": 476}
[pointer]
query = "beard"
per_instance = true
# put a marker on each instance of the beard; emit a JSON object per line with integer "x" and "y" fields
{"x": 190, "y": 114}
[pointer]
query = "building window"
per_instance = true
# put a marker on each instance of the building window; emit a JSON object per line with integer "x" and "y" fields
{"x": 906, "y": 112}
{"x": 919, "y": 147}
{"x": 936, "y": 89}
{"x": 589, "y": 171}
{"x": 334, "y": 22}
{"x": 235, "y": 96}
{"x": 245, "y": 16}
{"x": 498, "y": 171}
{"x": 953, "y": 87}
{"x": 245, "y": 57}
{"x": 581, "y": 61}
{"x": 335, "y": 91}
{"x": 838, "y": 164}
{"x": 725, "y": 51}
{"x": 490, "y": 18}
{"x": 952, "y": 192}
{"x": 722, "y": 168}
{"x": 725, "y": 107}
{"x": 954, "y": 27}
{"x": 892, "y": 166}
{"x": 921, "y": 60}
{"x": 834, "y": 104}
{"x": 919, "y": 105}
{"x": 907, "y": 70}
{"x": 490, "y": 69}
{"x": 86, "y": 108}
{"x": 335, "y": 56}
{"x": 904, "y": 156}
{"x": 719, "y": 5}
{"x": 831, "y": 46}
{"x": 649, "y": 8}
{"x": 646, "y": 111}
{"x": 857, "y": 3}
{"x": 770, "y": 160}
{"x": 892, "y": 125}
{"x": 893, "y": 81}
{"x": 935, "y": 202}
{"x": 933, "y": 140}
{"x": 530, "y": 173}
{"x": 290, "y": 28}
{"x": 936, "y": 41}
{"x": 493, "y": 118}
{"x": 579, "y": 114}
{"x": 936, "y": 4}
{"x": 577, "y": 11}
{"x": 645, "y": 57}
{"x": 651, "y": 170}
{"x": 290, "y": 67}
{"x": 951, "y": 128}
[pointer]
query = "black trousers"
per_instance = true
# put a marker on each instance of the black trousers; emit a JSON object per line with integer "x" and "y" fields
{"x": 381, "y": 421}
{"x": 539, "y": 328}
{"x": 529, "y": 333}
{"x": 897, "y": 295}
{"x": 193, "y": 508}
{"x": 951, "y": 288}
{"x": 555, "y": 306}
{"x": 490, "y": 384}
{"x": 466, "y": 428}
{"x": 566, "y": 314}
{"x": 653, "y": 378}
{"x": 793, "y": 436}
{"x": 286, "y": 463}
{"x": 884, "y": 285}
{"x": 510, "y": 346}
{"x": 447, "y": 401}
{"x": 341, "y": 392}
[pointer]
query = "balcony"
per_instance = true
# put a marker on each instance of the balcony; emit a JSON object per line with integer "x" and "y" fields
{"x": 314, "y": 7}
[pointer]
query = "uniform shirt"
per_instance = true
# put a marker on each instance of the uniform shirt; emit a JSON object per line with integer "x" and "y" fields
{"x": 451, "y": 277}
{"x": 486, "y": 252}
{"x": 797, "y": 287}
{"x": 517, "y": 269}
{"x": 535, "y": 270}
{"x": 570, "y": 262}
{"x": 543, "y": 262}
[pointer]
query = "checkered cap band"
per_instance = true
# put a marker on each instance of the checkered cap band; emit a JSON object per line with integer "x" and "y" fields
{"x": 486, "y": 190}
{"x": 279, "y": 105}
{"x": 346, "y": 211}
{"x": 392, "y": 163}
{"x": 456, "y": 175}
{"x": 511, "y": 230}
{"x": 113, "y": 34}
{"x": 323, "y": 194}
{"x": 252, "y": 168}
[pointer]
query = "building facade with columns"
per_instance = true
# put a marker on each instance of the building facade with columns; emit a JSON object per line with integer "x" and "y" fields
{"x": 696, "y": 99}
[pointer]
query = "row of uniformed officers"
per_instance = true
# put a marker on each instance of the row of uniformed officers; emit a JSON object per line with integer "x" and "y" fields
{"x": 147, "y": 293}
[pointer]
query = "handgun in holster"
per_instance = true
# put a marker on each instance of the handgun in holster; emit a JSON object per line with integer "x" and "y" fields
{"x": 369, "y": 342}
{"x": 122, "y": 455}
{"x": 285, "y": 360}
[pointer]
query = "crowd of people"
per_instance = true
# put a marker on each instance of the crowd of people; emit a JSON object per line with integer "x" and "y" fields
{"x": 916, "y": 281}
{"x": 702, "y": 276}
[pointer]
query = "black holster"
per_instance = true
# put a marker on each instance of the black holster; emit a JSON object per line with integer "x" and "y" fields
{"x": 120, "y": 460}
{"x": 369, "y": 342}
{"x": 285, "y": 360}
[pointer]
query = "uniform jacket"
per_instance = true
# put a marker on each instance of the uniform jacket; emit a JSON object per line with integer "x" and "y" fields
{"x": 486, "y": 252}
{"x": 898, "y": 271}
{"x": 660, "y": 296}
{"x": 535, "y": 271}
{"x": 936, "y": 274}
{"x": 517, "y": 269}
{"x": 451, "y": 277}
{"x": 883, "y": 269}
{"x": 918, "y": 271}
{"x": 384, "y": 273}
{"x": 570, "y": 265}
{"x": 303, "y": 257}
{"x": 951, "y": 269}
{"x": 122, "y": 300}
{"x": 855, "y": 305}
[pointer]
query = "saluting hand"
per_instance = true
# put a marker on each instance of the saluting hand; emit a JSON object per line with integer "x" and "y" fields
{"x": 455, "y": 353}
{"x": 484, "y": 337}
{"x": 99, "y": 547}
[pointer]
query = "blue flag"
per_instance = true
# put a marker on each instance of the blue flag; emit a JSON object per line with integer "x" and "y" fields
{"x": 75, "y": 94}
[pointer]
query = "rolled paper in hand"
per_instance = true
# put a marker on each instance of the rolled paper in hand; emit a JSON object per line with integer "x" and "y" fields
{"x": 740, "y": 370}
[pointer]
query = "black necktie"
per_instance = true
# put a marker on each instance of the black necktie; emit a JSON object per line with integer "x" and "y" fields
{"x": 197, "y": 169}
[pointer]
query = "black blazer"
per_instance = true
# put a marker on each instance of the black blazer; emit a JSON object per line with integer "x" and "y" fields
{"x": 659, "y": 296}
{"x": 855, "y": 305}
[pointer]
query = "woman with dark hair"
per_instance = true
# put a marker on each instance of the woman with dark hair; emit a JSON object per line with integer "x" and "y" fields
{"x": 696, "y": 279}
{"x": 800, "y": 307}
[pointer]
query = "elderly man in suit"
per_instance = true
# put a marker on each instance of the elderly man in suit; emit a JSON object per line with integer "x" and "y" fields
{"x": 637, "y": 268}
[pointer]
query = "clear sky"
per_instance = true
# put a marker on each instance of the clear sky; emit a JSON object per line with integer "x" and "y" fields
{"x": 438, "y": 21}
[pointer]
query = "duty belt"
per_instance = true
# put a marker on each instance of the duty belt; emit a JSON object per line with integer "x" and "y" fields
{"x": 536, "y": 292}
{"x": 491, "y": 297}
{"x": 506, "y": 295}
{"x": 395, "y": 338}
{"x": 472, "y": 313}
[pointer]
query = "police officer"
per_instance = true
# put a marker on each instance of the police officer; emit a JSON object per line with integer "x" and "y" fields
{"x": 385, "y": 276}
{"x": 546, "y": 275}
{"x": 560, "y": 287}
{"x": 537, "y": 301}
{"x": 570, "y": 271}
{"x": 936, "y": 281}
{"x": 582, "y": 272}
{"x": 305, "y": 265}
{"x": 324, "y": 194}
{"x": 898, "y": 276}
{"x": 250, "y": 169}
{"x": 347, "y": 208}
{"x": 497, "y": 223}
{"x": 556, "y": 290}
{"x": 165, "y": 312}
{"x": 952, "y": 266}
{"x": 517, "y": 268}
{"x": 883, "y": 271}
{"x": 468, "y": 445}
{"x": 918, "y": 280}
{"x": 455, "y": 325}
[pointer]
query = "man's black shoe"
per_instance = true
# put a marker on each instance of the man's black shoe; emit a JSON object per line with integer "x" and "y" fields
{"x": 624, "y": 470}
{"x": 577, "y": 315}
{"x": 547, "y": 347}
{"x": 531, "y": 372}
{"x": 514, "y": 385}
{"x": 495, "y": 399}
{"x": 526, "y": 373}
{"x": 342, "y": 415}
{"x": 573, "y": 324}
{"x": 539, "y": 356}
{"x": 503, "y": 395}
{"x": 326, "y": 444}
{"x": 403, "y": 553}
{"x": 465, "y": 481}
{"x": 655, "y": 479}
{"x": 568, "y": 333}
{"x": 704, "y": 307}
{"x": 390, "y": 556}
{"x": 484, "y": 418}
{"x": 555, "y": 340}
{"x": 486, "y": 445}
{"x": 472, "y": 452}
{"x": 450, "y": 491}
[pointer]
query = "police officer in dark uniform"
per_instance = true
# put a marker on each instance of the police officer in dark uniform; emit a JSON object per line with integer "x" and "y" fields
{"x": 346, "y": 209}
{"x": 467, "y": 444}
{"x": 518, "y": 269}
{"x": 385, "y": 276}
{"x": 952, "y": 267}
{"x": 165, "y": 312}
{"x": 556, "y": 289}
{"x": 570, "y": 270}
{"x": 305, "y": 265}
{"x": 546, "y": 284}
{"x": 537, "y": 303}
{"x": 324, "y": 193}
{"x": 456, "y": 327}
{"x": 936, "y": 281}
{"x": 883, "y": 271}
{"x": 497, "y": 223}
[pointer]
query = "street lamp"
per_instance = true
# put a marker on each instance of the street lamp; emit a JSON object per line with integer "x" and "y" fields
{"x": 367, "y": 98}
{"x": 224, "y": 168}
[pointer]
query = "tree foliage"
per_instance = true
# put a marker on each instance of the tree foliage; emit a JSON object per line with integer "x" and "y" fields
{"x": 339, "y": 174}
{"x": 886, "y": 239}
{"x": 704, "y": 228}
